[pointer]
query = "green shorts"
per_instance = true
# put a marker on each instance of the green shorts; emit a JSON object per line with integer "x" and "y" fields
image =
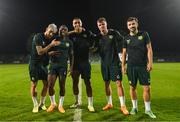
{"x": 56, "y": 69}
{"x": 37, "y": 72}
{"x": 136, "y": 73}
{"x": 111, "y": 72}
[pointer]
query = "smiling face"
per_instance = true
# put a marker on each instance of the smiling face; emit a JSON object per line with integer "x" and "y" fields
{"x": 63, "y": 30}
{"x": 49, "y": 33}
{"x": 77, "y": 24}
{"x": 132, "y": 26}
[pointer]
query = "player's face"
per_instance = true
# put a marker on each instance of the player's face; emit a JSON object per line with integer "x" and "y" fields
{"x": 102, "y": 26}
{"x": 77, "y": 24}
{"x": 63, "y": 30}
{"x": 132, "y": 25}
{"x": 50, "y": 33}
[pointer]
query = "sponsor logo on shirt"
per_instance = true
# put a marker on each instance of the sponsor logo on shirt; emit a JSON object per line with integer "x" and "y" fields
{"x": 140, "y": 37}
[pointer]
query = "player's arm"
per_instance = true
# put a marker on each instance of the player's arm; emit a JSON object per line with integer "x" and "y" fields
{"x": 150, "y": 56}
{"x": 119, "y": 42}
{"x": 71, "y": 58}
{"x": 124, "y": 54}
{"x": 124, "y": 60}
{"x": 41, "y": 50}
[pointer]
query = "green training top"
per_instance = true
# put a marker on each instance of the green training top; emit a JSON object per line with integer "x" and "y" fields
{"x": 136, "y": 48}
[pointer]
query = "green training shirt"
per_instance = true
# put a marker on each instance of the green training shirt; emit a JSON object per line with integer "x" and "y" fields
{"x": 137, "y": 48}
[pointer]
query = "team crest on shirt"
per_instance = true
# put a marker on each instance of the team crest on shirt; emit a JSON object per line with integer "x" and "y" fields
{"x": 140, "y": 37}
{"x": 111, "y": 36}
{"x": 128, "y": 41}
{"x": 67, "y": 44}
{"x": 84, "y": 35}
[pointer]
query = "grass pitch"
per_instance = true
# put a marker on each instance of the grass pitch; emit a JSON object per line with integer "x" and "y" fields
{"x": 16, "y": 103}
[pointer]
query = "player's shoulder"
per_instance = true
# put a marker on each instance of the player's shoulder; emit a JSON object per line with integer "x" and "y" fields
{"x": 143, "y": 32}
{"x": 38, "y": 36}
{"x": 114, "y": 32}
{"x": 71, "y": 32}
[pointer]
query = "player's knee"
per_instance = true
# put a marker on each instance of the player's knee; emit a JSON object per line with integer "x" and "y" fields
{"x": 146, "y": 89}
{"x": 87, "y": 82}
{"x": 119, "y": 84}
{"x": 132, "y": 88}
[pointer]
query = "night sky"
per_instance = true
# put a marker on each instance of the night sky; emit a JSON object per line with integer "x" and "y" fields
{"x": 20, "y": 18}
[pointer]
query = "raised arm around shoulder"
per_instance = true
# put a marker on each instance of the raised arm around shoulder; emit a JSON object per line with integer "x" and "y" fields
{"x": 41, "y": 50}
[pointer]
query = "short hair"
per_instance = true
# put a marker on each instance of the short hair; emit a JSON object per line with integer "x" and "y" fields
{"x": 53, "y": 27}
{"x": 132, "y": 18}
{"x": 101, "y": 19}
{"x": 76, "y": 18}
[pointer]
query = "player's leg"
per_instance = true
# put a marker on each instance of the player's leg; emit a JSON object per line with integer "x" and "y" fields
{"x": 144, "y": 78}
{"x": 43, "y": 95}
{"x": 116, "y": 75}
{"x": 75, "y": 78}
{"x": 34, "y": 96}
{"x": 33, "y": 70}
{"x": 108, "y": 92}
{"x": 85, "y": 70}
{"x": 51, "y": 83}
{"x": 106, "y": 77}
{"x": 132, "y": 78}
{"x": 120, "y": 91}
{"x": 44, "y": 89}
{"x": 62, "y": 79}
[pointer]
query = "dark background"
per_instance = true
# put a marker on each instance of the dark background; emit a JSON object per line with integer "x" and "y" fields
{"x": 20, "y": 18}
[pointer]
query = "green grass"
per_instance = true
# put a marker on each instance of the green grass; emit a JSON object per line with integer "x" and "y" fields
{"x": 16, "y": 103}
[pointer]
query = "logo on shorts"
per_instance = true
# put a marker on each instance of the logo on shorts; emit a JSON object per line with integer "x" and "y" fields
{"x": 64, "y": 72}
{"x": 117, "y": 76}
{"x": 32, "y": 78}
{"x": 140, "y": 37}
{"x": 111, "y": 36}
{"x": 130, "y": 82}
{"x": 67, "y": 44}
{"x": 43, "y": 43}
{"x": 128, "y": 41}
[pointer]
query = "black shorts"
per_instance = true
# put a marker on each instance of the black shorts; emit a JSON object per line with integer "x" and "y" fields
{"x": 136, "y": 73}
{"x": 37, "y": 72}
{"x": 111, "y": 72}
{"x": 55, "y": 69}
{"x": 84, "y": 68}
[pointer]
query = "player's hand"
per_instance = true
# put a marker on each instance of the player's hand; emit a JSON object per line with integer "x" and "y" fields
{"x": 149, "y": 67}
{"x": 55, "y": 42}
{"x": 53, "y": 53}
{"x": 123, "y": 70}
